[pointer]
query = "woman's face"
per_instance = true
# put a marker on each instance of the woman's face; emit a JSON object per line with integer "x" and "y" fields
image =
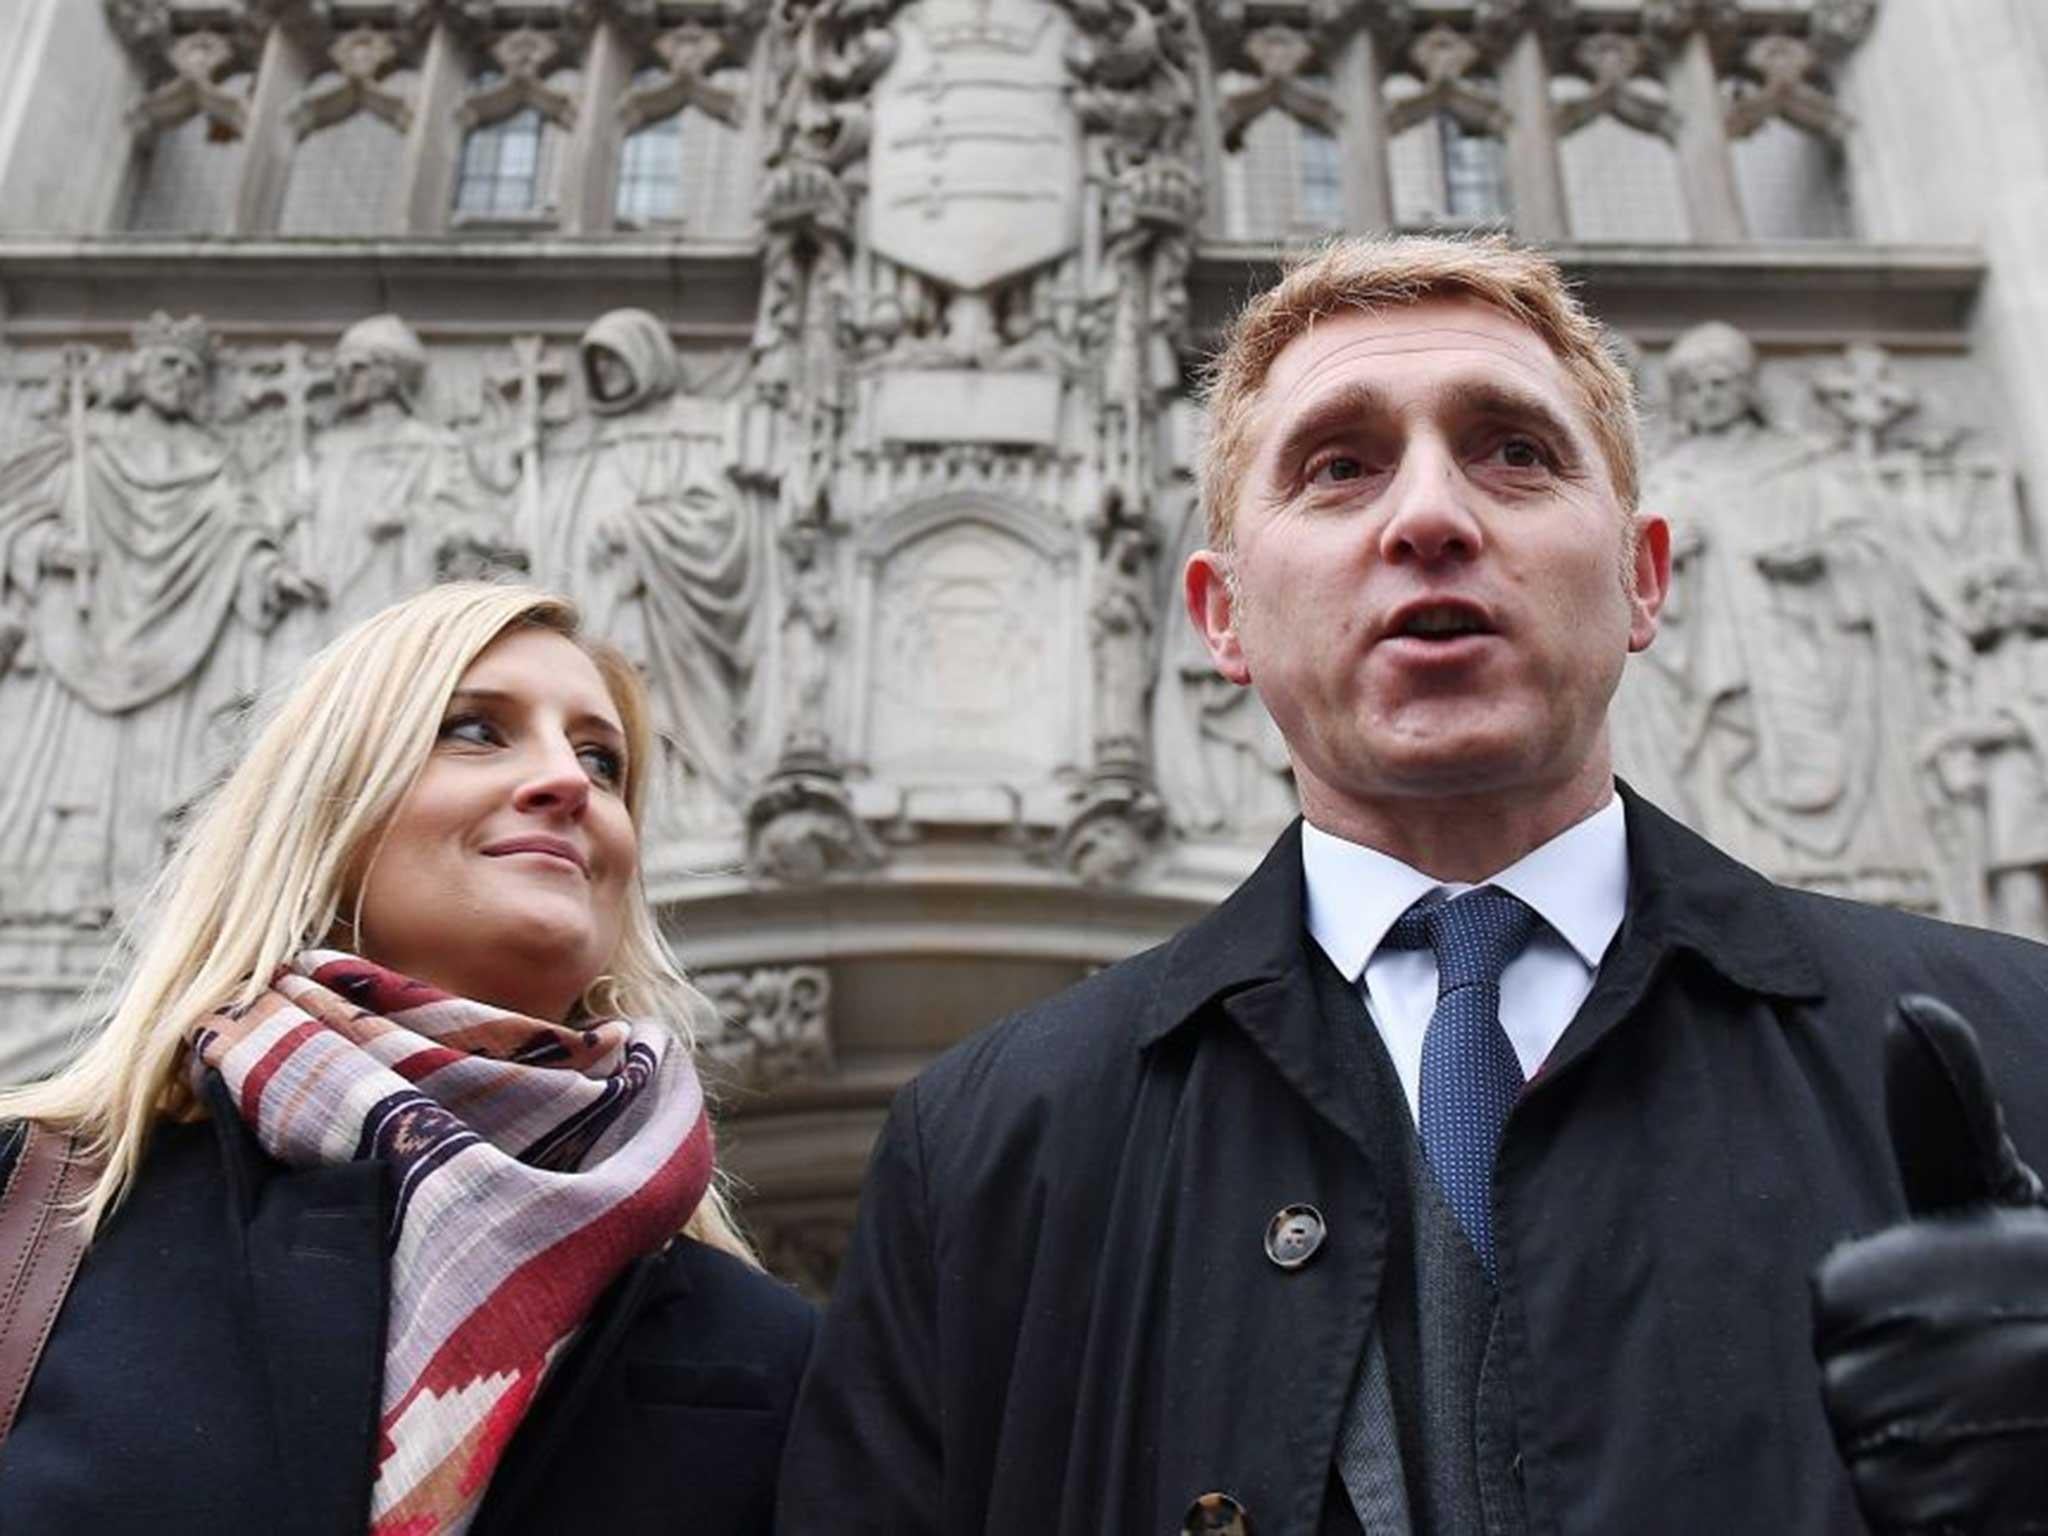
{"x": 505, "y": 871}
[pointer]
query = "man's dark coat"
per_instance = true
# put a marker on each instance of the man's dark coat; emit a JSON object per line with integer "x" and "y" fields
{"x": 1057, "y": 1314}
{"x": 216, "y": 1368}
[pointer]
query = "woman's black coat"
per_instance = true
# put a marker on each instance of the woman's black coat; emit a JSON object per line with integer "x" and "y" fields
{"x": 217, "y": 1365}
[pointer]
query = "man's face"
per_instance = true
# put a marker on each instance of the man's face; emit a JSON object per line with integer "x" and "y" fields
{"x": 1711, "y": 394}
{"x": 361, "y": 379}
{"x": 168, "y": 380}
{"x": 1431, "y": 594}
{"x": 610, "y": 377}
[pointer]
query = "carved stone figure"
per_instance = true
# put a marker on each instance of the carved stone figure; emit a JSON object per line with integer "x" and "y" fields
{"x": 1992, "y": 753}
{"x": 1219, "y": 759}
{"x": 143, "y": 571}
{"x": 801, "y": 827}
{"x": 1121, "y": 624}
{"x": 810, "y": 624}
{"x": 394, "y": 505}
{"x": 645, "y": 530}
{"x": 1787, "y": 667}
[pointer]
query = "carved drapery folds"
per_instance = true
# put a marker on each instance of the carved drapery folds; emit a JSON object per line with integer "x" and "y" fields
{"x": 1852, "y": 590}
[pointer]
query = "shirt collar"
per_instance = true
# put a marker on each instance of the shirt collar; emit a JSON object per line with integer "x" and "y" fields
{"x": 1577, "y": 882}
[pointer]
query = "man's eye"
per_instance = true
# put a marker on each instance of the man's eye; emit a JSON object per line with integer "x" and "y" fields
{"x": 1337, "y": 467}
{"x": 1523, "y": 453}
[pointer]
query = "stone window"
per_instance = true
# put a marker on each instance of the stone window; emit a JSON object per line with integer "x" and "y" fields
{"x": 504, "y": 166}
{"x": 1284, "y": 181}
{"x": 344, "y": 179}
{"x": 1445, "y": 173}
{"x": 1792, "y": 185}
{"x": 651, "y": 173}
{"x": 185, "y": 177}
{"x": 1621, "y": 182}
{"x": 511, "y": 162}
{"x": 687, "y": 167}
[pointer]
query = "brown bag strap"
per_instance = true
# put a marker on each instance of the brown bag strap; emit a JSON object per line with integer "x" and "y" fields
{"x": 40, "y": 1246}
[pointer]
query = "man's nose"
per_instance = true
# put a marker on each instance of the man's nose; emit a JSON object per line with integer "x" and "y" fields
{"x": 1429, "y": 516}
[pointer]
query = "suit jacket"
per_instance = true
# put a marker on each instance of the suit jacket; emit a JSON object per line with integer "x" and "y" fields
{"x": 217, "y": 1364}
{"x": 1057, "y": 1314}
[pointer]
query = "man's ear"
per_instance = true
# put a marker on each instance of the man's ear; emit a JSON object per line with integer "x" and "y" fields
{"x": 1649, "y": 579}
{"x": 1213, "y": 610}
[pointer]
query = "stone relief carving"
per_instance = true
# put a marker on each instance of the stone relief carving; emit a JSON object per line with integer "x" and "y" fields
{"x": 1122, "y": 626}
{"x": 802, "y": 827}
{"x": 773, "y": 1024}
{"x": 1819, "y": 618}
{"x": 378, "y": 500}
{"x": 810, "y": 627}
{"x": 645, "y": 529}
{"x": 963, "y": 320}
{"x": 1989, "y": 752}
{"x": 1222, "y": 765}
{"x": 143, "y": 571}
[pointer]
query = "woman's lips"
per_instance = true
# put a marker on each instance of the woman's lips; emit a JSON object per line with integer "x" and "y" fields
{"x": 547, "y": 847}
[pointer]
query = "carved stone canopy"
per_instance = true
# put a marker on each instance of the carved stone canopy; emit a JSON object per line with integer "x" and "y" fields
{"x": 199, "y": 61}
{"x": 1614, "y": 64}
{"x": 363, "y": 58}
{"x": 1445, "y": 59}
{"x": 1783, "y": 68}
{"x": 525, "y": 57}
{"x": 1282, "y": 55}
{"x": 688, "y": 55}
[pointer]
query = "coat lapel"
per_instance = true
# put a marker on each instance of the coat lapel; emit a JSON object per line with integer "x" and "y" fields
{"x": 312, "y": 1245}
{"x": 1686, "y": 896}
{"x": 546, "y": 1430}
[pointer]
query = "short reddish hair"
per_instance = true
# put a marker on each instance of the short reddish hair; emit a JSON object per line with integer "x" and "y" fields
{"x": 1377, "y": 274}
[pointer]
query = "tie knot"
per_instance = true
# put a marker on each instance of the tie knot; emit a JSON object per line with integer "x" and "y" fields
{"x": 1474, "y": 935}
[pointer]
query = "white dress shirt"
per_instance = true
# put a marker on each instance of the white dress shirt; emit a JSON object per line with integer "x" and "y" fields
{"x": 1577, "y": 882}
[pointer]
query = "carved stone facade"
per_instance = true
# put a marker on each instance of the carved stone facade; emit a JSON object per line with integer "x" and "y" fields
{"x": 837, "y": 357}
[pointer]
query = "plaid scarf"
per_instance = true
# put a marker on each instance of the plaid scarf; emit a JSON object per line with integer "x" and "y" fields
{"x": 531, "y": 1163}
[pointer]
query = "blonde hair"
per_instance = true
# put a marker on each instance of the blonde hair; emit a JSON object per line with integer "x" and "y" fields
{"x": 1377, "y": 274}
{"x": 269, "y": 861}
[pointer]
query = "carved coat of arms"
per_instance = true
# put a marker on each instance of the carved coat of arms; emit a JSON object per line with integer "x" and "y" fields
{"x": 975, "y": 166}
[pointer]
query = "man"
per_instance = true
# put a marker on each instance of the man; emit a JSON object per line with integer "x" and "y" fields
{"x": 1262, "y": 1230}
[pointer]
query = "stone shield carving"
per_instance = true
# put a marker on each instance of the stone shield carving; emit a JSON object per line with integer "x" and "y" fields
{"x": 975, "y": 165}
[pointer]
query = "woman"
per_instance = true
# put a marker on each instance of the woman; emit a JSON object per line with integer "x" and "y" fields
{"x": 396, "y": 1143}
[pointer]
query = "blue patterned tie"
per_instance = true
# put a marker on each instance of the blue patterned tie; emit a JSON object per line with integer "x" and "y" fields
{"x": 1470, "y": 1075}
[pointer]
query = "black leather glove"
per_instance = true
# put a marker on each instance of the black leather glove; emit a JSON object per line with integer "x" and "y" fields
{"x": 1933, "y": 1335}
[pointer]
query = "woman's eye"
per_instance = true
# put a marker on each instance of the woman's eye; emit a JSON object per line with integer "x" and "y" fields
{"x": 1335, "y": 469}
{"x": 470, "y": 728}
{"x": 603, "y": 765}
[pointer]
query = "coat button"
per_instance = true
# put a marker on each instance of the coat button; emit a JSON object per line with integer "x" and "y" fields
{"x": 1216, "y": 1514}
{"x": 1294, "y": 1234}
